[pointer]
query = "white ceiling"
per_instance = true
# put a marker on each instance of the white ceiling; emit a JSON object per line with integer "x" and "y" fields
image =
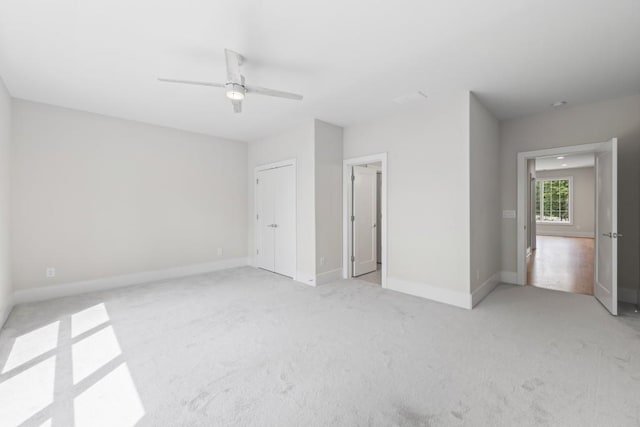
{"x": 584, "y": 160}
{"x": 349, "y": 58}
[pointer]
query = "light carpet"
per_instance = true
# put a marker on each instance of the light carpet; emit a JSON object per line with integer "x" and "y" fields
{"x": 246, "y": 347}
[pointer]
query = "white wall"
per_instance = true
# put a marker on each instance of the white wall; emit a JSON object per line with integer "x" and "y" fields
{"x": 5, "y": 139}
{"x": 583, "y": 203}
{"x": 484, "y": 146}
{"x": 296, "y": 144}
{"x": 97, "y": 197}
{"x": 428, "y": 192}
{"x": 584, "y": 124}
{"x": 328, "y": 197}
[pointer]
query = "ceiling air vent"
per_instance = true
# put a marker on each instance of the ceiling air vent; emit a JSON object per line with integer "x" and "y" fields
{"x": 411, "y": 98}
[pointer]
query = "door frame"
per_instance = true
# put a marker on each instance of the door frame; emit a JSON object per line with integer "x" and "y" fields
{"x": 256, "y": 233}
{"x": 521, "y": 210}
{"x": 347, "y": 267}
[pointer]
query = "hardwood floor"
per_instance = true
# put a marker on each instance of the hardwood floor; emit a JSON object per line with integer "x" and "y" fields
{"x": 563, "y": 264}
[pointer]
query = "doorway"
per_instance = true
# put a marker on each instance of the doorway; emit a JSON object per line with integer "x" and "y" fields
{"x": 365, "y": 221}
{"x": 275, "y": 231}
{"x": 559, "y": 209}
{"x": 561, "y": 227}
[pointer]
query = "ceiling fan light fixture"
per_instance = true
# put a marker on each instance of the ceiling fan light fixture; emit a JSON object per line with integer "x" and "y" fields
{"x": 235, "y": 91}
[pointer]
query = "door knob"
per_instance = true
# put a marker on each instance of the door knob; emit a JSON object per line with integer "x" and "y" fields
{"x": 607, "y": 235}
{"x": 616, "y": 235}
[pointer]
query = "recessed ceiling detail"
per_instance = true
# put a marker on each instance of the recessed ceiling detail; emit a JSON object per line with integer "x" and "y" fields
{"x": 583, "y": 160}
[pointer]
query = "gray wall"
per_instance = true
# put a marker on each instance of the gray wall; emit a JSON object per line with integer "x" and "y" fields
{"x": 328, "y": 185}
{"x": 96, "y": 197}
{"x": 5, "y": 142}
{"x": 484, "y": 179}
{"x": 583, "y": 124}
{"x": 427, "y": 150}
{"x": 582, "y": 205}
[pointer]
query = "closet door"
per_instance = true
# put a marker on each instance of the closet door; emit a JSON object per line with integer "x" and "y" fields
{"x": 285, "y": 220}
{"x": 265, "y": 189}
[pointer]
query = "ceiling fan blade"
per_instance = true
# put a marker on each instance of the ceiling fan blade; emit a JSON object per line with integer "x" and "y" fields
{"x": 191, "y": 82}
{"x": 272, "y": 92}
{"x": 234, "y": 60}
{"x": 237, "y": 106}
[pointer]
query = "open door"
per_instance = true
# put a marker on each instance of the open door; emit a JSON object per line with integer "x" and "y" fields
{"x": 606, "y": 265}
{"x": 364, "y": 219}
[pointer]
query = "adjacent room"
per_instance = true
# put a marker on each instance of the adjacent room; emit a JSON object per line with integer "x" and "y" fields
{"x": 561, "y": 246}
{"x": 285, "y": 213}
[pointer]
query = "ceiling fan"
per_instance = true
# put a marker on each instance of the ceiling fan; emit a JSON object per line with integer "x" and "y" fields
{"x": 235, "y": 87}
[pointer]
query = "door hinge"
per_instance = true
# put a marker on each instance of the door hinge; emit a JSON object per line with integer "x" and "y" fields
{"x": 257, "y": 251}
{"x": 257, "y": 217}
{"x": 353, "y": 218}
{"x": 353, "y": 178}
{"x": 353, "y": 258}
{"x": 257, "y": 181}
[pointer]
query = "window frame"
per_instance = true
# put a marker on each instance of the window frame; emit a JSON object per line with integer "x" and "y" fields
{"x": 570, "y": 201}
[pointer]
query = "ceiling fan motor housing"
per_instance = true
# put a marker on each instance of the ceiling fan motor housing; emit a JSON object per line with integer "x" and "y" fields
{"x": 235, "y": 91}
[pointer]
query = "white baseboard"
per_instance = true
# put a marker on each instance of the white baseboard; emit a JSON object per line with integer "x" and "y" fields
{"x": 329, "y": 276}
{"x": 628, "y": 295}
{"x": 567, "y": 233}
{"x": 56, "y": 291}
{"x": 447, "y": 296}
{"x": 510, "y": 277}
{"x": 306, "y": 278}
{"x": 485, "y": 289}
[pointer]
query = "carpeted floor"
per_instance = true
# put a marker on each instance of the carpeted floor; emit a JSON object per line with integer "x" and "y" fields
{"x": 245, "y": 347}
{"x": 374, "y": 277}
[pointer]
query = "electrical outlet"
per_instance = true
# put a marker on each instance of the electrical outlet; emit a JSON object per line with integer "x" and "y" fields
{"x": 219, "y": 251}
{"x": 50, "y": 272}
{"x": 321, "y": 260}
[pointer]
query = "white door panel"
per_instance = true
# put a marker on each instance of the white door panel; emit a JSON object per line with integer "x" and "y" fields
{"x": 364, "y": 220}
{"x": 265, "y": 258}
{"x": 276, "y": 220}
{"x": 285, "y": 220}
{"x": 606, "y": 265}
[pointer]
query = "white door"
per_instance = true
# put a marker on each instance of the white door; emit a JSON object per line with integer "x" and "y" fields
{"x": 265, "y": 220}
{"x": 606, "y": 271}
{"x": 364, "y": 219}
{"x": 285, "y": 221}
{"x": 276, "y": 220}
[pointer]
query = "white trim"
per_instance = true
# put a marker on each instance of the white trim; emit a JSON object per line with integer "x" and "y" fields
{"x": 6, "y": 311}
{"x": 329, "y": 276}
{"x": 56, "y": 291}
{"x": 522, "y": 181}
{"x": 628, "y": 295}
{"x": 509, "y": 277}
{"x": 256, "y": 235}
{"x": 568, "y": 233}
{"x": 434, "y": 293}
{"x": 305, "y": 278}
{"x": 485, "y": 289}
{"x": 346, "y": 212}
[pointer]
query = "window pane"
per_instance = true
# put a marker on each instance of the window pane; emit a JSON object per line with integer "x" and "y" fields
{"x": 552, "y": 200}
